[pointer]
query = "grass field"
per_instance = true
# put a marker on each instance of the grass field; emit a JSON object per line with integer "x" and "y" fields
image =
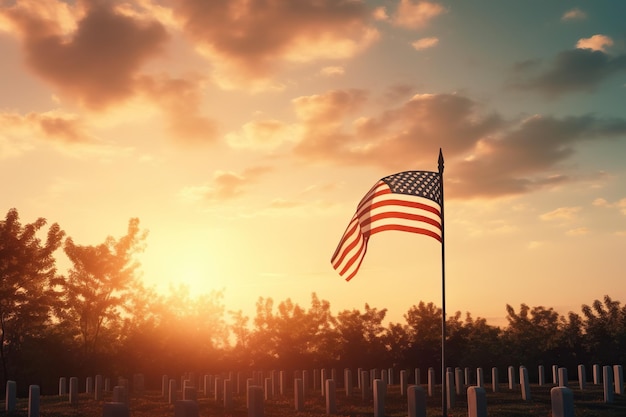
{"x": 507, "y": 403}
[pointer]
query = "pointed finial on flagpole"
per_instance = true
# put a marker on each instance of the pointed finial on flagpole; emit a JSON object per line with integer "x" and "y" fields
{"x": 440, "y": 161}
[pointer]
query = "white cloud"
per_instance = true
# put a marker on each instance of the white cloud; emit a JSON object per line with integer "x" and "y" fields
{"x": 332, "y": 71}
{"x": 380, "y": 13}
{"x": 580, "y": 231}
{"x": 574, "y": 14}
{"x": 595, "y": 43}
{"x": 425, "y": 43}
{"x": 562, "y": 213}
{"x": 620, "y": 204}
{"x": 412, "y": 15}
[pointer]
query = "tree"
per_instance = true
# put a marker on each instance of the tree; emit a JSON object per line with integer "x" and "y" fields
{"x": 98, "y": 286}
{"x": 424, "y": 321}
{"x": 605, "y": 331}
{"x": 532, "y": 336}
{"x": 361, "y": 337}
{"x": 27, "y": 280}
{"x": 293, "y": 335}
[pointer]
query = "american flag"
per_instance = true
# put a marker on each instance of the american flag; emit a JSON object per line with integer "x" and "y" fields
{"x": 408, "y": 201}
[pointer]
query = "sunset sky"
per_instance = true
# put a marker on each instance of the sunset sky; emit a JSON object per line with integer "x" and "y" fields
{"x": 243, "y": 133}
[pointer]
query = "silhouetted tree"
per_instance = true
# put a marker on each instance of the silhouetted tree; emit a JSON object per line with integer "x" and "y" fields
{"x": 98, "y": 286}
{"x": 27, "y": 280}
{"x": 292, "y": 336}
{"x": 605, "y": 331}
{"x": 532, "y": 336}
{"x": 360, "y": 337}
{"x": 424, "y": 321}
{"x": 483, "y": 344}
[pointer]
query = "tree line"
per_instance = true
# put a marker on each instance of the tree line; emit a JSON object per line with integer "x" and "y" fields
{"x": 100, "y": 318}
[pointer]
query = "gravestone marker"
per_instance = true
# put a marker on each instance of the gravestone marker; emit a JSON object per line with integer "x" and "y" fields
{"x": 476, "y": 402}
{"x": 618, "y": 375}
{"x": 494, "y": 379}
{"x": 10, "y": 399}
{"x": 524, "y": 383}
{"x": 33, "y": 401}
{"x": 582, "y": 377}
{"x": 607, "y": 381}
{"x": 416, "y": 397}
{"x": 431, "y": 381}
{"x": 299, "y": 394}
{"x": 331, "y": 404}
{"x": 73, "y": 390}
{"x": 379, "y": 397}
{"x": 562, "y": 402}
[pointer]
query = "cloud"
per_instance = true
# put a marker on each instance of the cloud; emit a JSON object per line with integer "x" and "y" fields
{"x": 246, "y": 41}
{"x": 535, "y": 244}
{"x": 180, "y": 100}
{"x": 424, "y": 43}
{"x": 526, "y": 155}
{"x": 571, "y": 71}
{"x": 620, "y": 204}
{"x": 224, "y": 186}
{"x": 574, "y": 14}
{"x": 491, "y": 157}
{"x": 332, "y": 71}
{"x": 398, "y": 137}
{"x": 380, "y": 13}
{"x": 415, "y": 15}
{"x": 263, "y": 134}
{"x": 53, "y": 125}
{"x": 595, "y": 43}
{"x": 580, "y": 231}
{"x": 96, "y": 62}
{"x": 562, "y": 213}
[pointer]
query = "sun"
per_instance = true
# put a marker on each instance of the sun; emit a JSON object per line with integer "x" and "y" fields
{"x": 189, "y": 263}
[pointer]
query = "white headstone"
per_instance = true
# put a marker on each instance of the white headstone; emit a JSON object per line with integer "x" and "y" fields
{"x": 10, "y": 399}
{"x": 416, "y": 397}
{"x": 562, "y": 402}
{"x": 298, "y": 391}
{"x": 450, "y": 390}
{"x": 431, "y": 381}
{"x": 33, "y": 401}
{"x": 607, "y": 381}
{"x": 379, "y": 397}
{"x": 524, "y": 383}
{"x": 331, "y": 404}
{"x": 618, "y": 375}
{"x": 582, "y": 377}
{"x": 73, "y": 390}
{"x": 495, "y": 379}
{"x": 476, "y": 402}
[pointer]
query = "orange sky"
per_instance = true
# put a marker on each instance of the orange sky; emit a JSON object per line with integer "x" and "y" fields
{"x": 244, "y": 133}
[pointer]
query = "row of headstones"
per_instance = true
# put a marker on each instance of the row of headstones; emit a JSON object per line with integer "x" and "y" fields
{"x": 120, "y": 392}
{"x": 561, "y": 397}
{"x": 613, "y": 382}
{"x": 612, "y": 379}
{"x": 459, "y": 380}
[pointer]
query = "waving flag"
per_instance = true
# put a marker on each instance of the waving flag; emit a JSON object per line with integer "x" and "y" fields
{"x": 409, "y": 201}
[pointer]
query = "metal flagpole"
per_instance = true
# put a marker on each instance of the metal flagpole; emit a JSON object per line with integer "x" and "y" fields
{"x": 444, "y": 403}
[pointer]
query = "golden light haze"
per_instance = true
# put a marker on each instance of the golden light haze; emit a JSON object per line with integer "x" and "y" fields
{"x": 242, "y": 134}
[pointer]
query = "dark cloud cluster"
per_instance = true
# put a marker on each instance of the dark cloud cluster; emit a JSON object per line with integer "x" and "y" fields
{"x": 96, "y": 64}
{"x": 253, "y": 37}
{"x": 571, "y": 71}
{"x": 488, "y": 155}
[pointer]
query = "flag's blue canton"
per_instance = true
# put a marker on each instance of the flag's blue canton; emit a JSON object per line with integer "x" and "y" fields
{"x": 420, "y": 183}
